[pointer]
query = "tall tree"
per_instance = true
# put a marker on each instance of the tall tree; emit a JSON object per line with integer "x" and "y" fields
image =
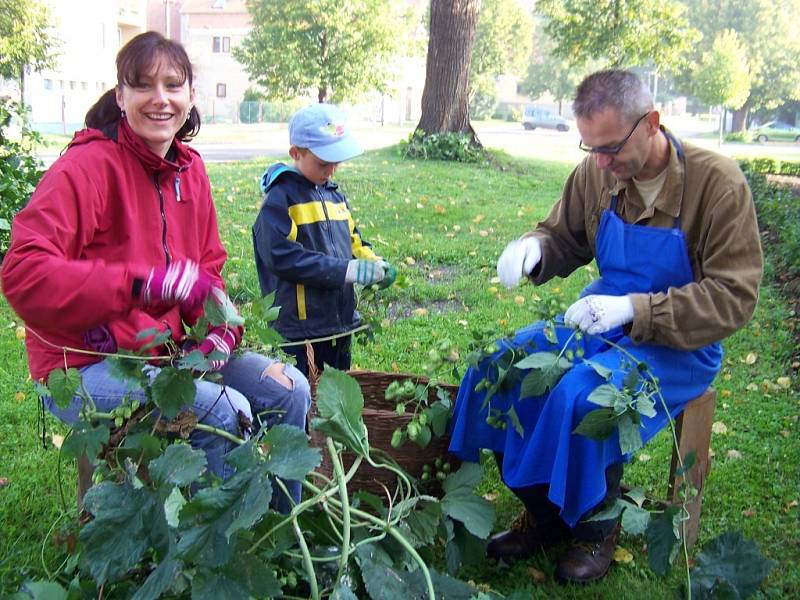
{"x": 768, "y": 31}
{"x": 723, "y": 76}
{"x": 25, "y": 41}
{"x": 622, "y": 33}
{"x": 445, "y": 97}
{"x": 340, "y": 49}
{"x": 503, "y": 40}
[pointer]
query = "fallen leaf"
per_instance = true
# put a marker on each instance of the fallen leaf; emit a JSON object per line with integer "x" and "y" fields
{"x": 727, "y": 377}
{"x": 644, "y": 457}
{"x": 621, "y": 555}
{"x": 456, "y": 227}
{"x": 19, "y": 396}
{"x": 791, "y": 505}
{"x": 784, "y": 382}
{"x": 395, "y": 368}
{"x": 751, "y": 387}
{"x": 3, "y": 482}
{"x": 410, "y": 260}
{"x": 478, "y": 219}
{"x": 751, "y": 358}
{"x": 419, "y": 312}
{"x": 57, "y": 439}
{"x": 726, "y": 393}
{"x": 490, "y": 496}
{"x": 785, "y": 433}
{"x": 20, "y": 333}
{"x": 519, "y": 299}
{"x": 493, "y": 290}
{"x": 748, "y": 513}
{"x": 733, "y": 454}
{"x": 719, "y": 427}
{"x": 494, "y": 280}
{"x": 537, "y": 575}
{"x": 440, "y": 209}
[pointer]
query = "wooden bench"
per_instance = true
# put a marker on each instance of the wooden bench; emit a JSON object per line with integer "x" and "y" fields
{"x": 693, "y": 429}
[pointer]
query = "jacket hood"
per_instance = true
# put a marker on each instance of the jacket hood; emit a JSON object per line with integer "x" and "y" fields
{"x": 278, "y": 170}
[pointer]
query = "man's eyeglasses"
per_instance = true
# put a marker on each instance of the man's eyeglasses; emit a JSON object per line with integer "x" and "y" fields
{"x": 612, "y": 149}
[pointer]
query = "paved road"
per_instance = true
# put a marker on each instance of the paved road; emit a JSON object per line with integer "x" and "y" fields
{"x": 250, "y": 142}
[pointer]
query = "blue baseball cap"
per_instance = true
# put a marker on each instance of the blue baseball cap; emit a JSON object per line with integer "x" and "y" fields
{"x": 322, "y": 129}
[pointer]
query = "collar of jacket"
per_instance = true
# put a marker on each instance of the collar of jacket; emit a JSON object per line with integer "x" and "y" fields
{"x": 149, "y": 159}
{"x": 276, "y": 171}
{"x": 676, "y": 171}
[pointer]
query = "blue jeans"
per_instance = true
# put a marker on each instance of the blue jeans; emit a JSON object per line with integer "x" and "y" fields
{"x": 247, "y": 389}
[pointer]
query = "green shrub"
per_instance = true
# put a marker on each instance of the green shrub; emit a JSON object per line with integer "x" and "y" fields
{"x": 514, "y": 115}
{"x": 738, "y": 136}
{"x": 770, "y": 166}
{"x": 482, "y": 104}
{"x": 19, "y": 169}
{"x": 442, "y": 146}
{"x": 779, "y": 214}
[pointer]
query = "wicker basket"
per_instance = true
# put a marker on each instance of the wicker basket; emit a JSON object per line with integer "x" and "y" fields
{"x": 381, "y": 420}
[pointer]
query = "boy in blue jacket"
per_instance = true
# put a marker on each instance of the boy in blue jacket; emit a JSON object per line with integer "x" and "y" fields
{"x": 307, "y": 246}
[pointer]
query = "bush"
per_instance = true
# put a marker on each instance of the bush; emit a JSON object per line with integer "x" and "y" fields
{"x": 19, "y": 169}
{"x": 514, "y": 115}
{"x": 738, "y": 136}
{"x": 482, "y": 105}
{"x": 779, "y": 214}
{"x": 442, "y": 146}
{"x": 770, "y": 166}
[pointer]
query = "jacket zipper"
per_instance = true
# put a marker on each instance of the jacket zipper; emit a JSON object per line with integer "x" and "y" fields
{"x": 333, "y": 247}
{"x": 163, "y": 219}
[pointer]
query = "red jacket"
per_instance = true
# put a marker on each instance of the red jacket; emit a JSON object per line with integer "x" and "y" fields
{"x": 106, "y": 212}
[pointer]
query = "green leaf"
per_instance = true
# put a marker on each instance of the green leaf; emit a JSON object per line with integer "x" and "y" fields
{"x": 645, "y": 405}
{"x": 732, "y": 559}
{"x": 159, "y": 580}
{"x": 172, "y": 390}
{"x": 380, "y": 579}
{"x": 610, "y": 512}
{"x": 423, "y": 522}
{"x": 220, "y": 311}
{"x": 630, "y": 436}
{"x": 606, "y": 394}
{"x": 179, "y": 465}
{"x": 62, "y": 386}
{"x": 688, "y": 462}
{"x": 214, "y": 515}
{"x": 172, "y": 507}
{"x": 194, "y": 361}
{"x": 127, "y": 522}
{"x": 340, "y": 403}
{"x": 631, "y": 380}
{"x": 637, "y": 495}
{"x": 343, "y": 592}
{"x": 598, "y": 424}
{"x": 546, "y": 369}
{"x": 128, "y": 370}
{"x": 635, "y": 520}
{"x": 466, "y": 478}
{"x": 245, "y": 576}
{"x": 662, "y": 540}
{"x": 463, "y": 548}
{"x": 44, "y": 590}
{"x": 85, "y": 439}
{"x": 159, "y": 337}
{"x": 423, "y": 437}
{"x": 515, "y": 422}
{"x": 438, "y": 417}
{"x": 288, "y": 454}
{"x": 604, "y": 372}
{"x": 473, "y": 511}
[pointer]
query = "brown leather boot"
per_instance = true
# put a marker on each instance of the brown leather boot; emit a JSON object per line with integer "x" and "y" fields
{"x": 587, "y": 561}
{"x": 525, "y": 538}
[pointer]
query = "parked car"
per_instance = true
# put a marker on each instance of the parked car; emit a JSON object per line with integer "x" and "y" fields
{"x": 776, "y": 131}
{"x": 538, "y": 117}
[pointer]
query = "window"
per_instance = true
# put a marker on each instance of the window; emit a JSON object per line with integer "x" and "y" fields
{"x": 84, "y": 85}
{"x": 221, "y": 44}
{"x": 48, "y": 84}
{"x": 218, "y": 4}
{"x": 72, "y": 85}
{"x": 222, "y": 90}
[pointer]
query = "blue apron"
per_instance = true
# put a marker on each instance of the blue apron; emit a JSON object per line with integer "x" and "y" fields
{"x": 631, "y": 258}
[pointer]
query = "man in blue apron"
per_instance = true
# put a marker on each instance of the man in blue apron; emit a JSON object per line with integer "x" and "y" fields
{"x": 674, "y": 233}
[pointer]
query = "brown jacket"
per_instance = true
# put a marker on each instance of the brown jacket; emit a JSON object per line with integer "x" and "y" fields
{"x": 718, "y": 219}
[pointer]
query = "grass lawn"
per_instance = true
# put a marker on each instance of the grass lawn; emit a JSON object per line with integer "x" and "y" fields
{"x": 444, "y": 226}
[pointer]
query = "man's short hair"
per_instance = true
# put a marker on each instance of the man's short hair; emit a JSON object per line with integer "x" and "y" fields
{"x": 613, "y": 88}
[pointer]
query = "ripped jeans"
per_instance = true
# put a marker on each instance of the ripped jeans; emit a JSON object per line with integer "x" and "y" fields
{"x": 259, "y": 396}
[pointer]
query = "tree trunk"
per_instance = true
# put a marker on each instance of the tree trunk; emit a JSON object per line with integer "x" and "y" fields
{"x": 739, "y": 122}
{"x": 445, "y": 98}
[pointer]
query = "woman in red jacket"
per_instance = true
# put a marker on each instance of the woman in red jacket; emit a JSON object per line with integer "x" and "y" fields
{"x": 121, "y": 236}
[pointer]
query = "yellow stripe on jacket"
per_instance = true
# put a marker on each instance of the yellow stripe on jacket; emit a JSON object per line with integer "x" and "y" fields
{"x": 301, "y": 302}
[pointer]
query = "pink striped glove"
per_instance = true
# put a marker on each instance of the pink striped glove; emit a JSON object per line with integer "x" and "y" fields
{"x": 221, "y": 340}
{"x": 181, "y": 282}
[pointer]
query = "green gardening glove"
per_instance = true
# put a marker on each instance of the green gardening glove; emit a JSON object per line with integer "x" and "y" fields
{"x": 389, "y": 276}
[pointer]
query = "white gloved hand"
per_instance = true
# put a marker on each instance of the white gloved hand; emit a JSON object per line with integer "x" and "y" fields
{"x": 597, "y": 314}
{"x": 365, "y": 272}
{"x": 518, "y": 259}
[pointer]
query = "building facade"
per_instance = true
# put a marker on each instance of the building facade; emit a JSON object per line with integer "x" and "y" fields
{"x": 90, "y": 34}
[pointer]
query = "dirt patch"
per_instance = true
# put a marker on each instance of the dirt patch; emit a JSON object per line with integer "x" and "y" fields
{"x": 789, "y": 181}
{"x": 405, "y": 310}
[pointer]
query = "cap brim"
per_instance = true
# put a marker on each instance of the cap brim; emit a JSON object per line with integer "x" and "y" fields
{"x": 344, "y": 149}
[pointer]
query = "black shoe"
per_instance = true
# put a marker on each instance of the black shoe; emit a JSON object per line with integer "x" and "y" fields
{"x": 525, "y": 538}
{"x": 587, "y": 561}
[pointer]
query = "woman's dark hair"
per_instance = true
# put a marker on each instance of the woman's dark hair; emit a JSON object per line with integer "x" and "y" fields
{"x": 134, "y": 60}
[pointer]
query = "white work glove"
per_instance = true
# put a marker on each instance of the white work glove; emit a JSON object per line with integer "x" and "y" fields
{"x": 518, "y": 259}
{"x": 597, "y": 314}
{"x": 365, "y": 272}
